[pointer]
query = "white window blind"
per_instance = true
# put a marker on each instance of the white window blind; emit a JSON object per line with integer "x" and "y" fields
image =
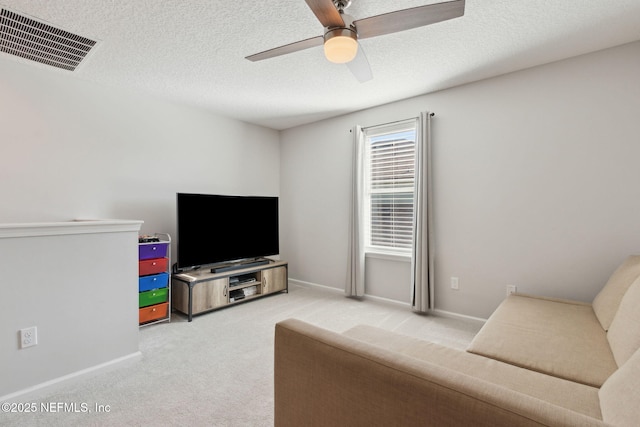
{"x": 390, "y": 186}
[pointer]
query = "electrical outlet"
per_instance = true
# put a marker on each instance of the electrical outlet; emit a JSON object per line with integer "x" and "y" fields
{"x": 511, "y": 289}
{"x": 28, "y": 337}
{"x": 455, "y": 285}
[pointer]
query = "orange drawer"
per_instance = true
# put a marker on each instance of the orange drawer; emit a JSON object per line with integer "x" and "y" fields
{"x": 154, "y": 312}
{"x": 152, "y": 266}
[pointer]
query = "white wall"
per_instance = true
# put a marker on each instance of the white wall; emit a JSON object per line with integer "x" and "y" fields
{"x": 73, "y": 149}
{"x": 536, "y": 184}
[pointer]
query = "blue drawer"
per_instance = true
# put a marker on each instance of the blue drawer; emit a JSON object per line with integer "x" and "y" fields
{"x": 156, "y": 281}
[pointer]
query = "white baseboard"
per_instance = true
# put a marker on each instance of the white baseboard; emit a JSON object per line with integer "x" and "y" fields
{"x": 389, "y": 301}
{"x": 438, "y": 312}
{"x": 444, "y": 313}
{"x": 314, "y": 285}
{"x": 73, "y": 375}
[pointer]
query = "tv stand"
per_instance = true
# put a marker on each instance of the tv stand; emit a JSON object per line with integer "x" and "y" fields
{"x": 202, "y": 291}
{"x": 239, "y": 265}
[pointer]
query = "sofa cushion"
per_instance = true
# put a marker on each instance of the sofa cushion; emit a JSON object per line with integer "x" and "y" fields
{"x": 624, "y": 333}
{"x": 606, "y": 303}
{"x": 577, "y": 397}
{"x": 556, "y": 337}
{"x": 620, "y": 395}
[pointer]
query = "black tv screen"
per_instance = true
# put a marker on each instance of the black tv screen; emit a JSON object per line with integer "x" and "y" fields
{"x": 214, "y": 229}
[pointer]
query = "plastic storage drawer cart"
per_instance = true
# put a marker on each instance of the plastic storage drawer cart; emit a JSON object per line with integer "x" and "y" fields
{"x": 154, "y": 279}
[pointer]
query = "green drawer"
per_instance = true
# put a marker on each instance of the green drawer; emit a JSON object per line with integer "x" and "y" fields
{"x": 155, "y": 296}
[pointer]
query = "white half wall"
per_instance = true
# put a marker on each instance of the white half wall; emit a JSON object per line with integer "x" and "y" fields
{"x": 76, "y": 282}
{"x": 535, "y": 184}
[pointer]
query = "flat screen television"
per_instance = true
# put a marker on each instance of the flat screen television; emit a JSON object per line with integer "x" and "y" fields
{"x": 217, "y": 229}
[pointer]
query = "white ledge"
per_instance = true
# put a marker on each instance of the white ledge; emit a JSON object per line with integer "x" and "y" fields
{"x": 68, "y": 227}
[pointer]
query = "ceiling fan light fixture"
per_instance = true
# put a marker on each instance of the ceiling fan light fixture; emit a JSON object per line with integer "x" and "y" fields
{"x": 340, "y": 45}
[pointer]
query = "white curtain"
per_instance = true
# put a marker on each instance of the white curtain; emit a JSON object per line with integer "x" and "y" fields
{"x": 422, "y": 256}
{"x": 355, "y": 267}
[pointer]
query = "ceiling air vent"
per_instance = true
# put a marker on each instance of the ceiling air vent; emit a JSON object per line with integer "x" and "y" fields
{"x": 36, "y": 41}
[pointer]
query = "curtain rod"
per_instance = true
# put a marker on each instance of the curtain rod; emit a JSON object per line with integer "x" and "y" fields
{"x": 393, "y": 123}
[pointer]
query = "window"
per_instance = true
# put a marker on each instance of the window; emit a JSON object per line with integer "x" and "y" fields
{"x": 389, "y": 185}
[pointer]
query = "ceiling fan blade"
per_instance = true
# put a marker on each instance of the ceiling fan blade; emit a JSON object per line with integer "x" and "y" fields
{"x": 326, "y": 13}
{"x": 408, "y": 18}
{"x": 289, "y": 48}
{"x": 359, "y": 66}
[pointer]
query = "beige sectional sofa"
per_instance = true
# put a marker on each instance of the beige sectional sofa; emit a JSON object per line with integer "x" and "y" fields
{"x": 536, "y": 361}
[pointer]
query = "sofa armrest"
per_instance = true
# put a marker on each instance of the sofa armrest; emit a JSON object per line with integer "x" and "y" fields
{"x": 323, "y": 378}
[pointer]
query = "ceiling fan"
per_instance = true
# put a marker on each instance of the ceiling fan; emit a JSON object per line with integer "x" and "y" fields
{"x": 342, "y": 32}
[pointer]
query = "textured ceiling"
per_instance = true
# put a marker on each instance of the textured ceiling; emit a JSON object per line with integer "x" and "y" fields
{"x": 193, "y": 51}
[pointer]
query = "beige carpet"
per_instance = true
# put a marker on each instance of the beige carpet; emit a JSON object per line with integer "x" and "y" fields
{"x": 218, "y": 369}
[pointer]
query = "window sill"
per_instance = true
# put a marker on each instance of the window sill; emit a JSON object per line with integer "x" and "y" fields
{"x": 387, "y": 256}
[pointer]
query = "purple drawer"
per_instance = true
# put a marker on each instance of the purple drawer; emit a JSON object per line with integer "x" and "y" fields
{"x": 152, "y": 250}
